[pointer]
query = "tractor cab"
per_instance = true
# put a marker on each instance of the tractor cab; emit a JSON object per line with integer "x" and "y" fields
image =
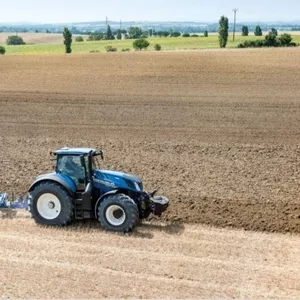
{"x": 78, "y": 164}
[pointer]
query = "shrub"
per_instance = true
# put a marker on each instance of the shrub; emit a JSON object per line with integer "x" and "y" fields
{"x": 15, "y": 40}
{"x": 2, "y": 50}
{"x": 175, "y": 34}
{"x": 194, "y": 35}
{"x": 79, "y": 39}
{"x": 252, "y": 44}
{"x": 126, "y": 49}
{"x": 95, "y": 51}
{"x": 157, "y": 47}
{"x": 285, "y": 39}
{"x": 292, "y": 44}
{"x": 96, "y": 36}
{"x": 110, "y": 48}
{"x": 140, "y": 44}
{"x": 186, "y": 35}
{"x": 270, "y": 40}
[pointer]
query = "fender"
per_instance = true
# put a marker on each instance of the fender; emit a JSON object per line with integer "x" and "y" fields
{"x": 61, "y": 179}
{"x": 103, "y": 196}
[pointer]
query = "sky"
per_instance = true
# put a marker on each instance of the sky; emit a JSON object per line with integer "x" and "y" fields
{"x": 66, "y": 11}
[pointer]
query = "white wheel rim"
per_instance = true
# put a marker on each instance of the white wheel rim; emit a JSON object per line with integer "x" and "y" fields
{"x": 115, "y": 215}
{"x": 48, "y": 206}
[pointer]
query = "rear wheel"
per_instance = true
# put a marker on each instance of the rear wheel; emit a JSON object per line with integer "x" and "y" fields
{"x": 118, "y": 213}
{"x": 50, "y": 204}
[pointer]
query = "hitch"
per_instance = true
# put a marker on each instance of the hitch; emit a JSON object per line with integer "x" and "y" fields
{"x": 159, "y": 204}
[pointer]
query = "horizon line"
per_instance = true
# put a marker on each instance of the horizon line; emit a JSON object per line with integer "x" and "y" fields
{"x": 141, "y": 21}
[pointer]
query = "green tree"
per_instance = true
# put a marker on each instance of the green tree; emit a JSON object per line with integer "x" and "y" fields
{"x": 67, "y": 40}
{"x": 79, "y": 39}
{"x": 223, "y": 31}
{"x": 119, "y": 34}
{"x": 109, "y": 34}
{"x": 2, "y": 50}
{"x": 145, "y": 34}
{"x": 163, "y": 33}
{"x": 245, "y": 31}
{"x": 15, "y": 40}
{"x": 135, "y": 32}
{"x": 141, "y": 44}
{"x": 258, "y": 31}
{"x": 274, "y": 31}
{"x": 150, "y": 32}
{"x": 205, "y": 33}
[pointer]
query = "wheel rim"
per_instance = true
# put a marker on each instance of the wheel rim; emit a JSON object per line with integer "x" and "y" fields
{"x": 115, "y": 215}
{"x": 48, "y": 206}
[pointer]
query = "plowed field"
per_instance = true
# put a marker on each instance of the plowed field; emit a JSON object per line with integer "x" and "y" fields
{"x": 217, "y": 131}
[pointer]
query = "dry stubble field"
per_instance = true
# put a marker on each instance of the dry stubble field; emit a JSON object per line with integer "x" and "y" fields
{"x": 218, "y": 131}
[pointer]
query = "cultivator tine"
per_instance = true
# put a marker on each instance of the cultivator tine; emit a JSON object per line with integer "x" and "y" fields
{"x": 9, "y": 207}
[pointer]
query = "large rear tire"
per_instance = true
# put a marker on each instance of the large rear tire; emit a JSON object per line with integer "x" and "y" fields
{"x": 118, "y": 213}
{"x": 50, "y": 204}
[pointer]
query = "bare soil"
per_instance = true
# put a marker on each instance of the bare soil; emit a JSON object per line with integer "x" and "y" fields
{"x": 217, "y": 131}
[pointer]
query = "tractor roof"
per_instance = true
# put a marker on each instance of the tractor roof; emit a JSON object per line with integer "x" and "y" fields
{"x": 74, "y": 151}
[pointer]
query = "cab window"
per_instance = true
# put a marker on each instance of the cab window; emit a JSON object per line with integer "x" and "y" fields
{"x": 71, "y": 166}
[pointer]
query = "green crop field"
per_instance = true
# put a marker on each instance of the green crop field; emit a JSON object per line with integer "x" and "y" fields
{"x": 179, "y": 43}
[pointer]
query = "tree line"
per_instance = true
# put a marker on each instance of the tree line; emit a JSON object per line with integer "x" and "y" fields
{"x": 271, "y": 39}
{"x": 140, "y": 37}
{"x": 135, "y": 33}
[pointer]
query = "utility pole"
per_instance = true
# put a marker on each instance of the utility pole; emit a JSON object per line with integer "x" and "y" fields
{"x": 120, "y": 24}
{"x": 106, "y": 22}
{"x": 234, "y": 11}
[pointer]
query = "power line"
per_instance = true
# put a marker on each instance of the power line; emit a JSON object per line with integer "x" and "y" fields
{"x": 235, "y": 10}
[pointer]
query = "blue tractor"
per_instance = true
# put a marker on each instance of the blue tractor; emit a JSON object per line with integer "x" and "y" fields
{"x": 78, "y": 189}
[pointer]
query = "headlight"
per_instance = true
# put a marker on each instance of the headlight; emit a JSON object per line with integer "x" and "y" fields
{"x": 137, "y": 187}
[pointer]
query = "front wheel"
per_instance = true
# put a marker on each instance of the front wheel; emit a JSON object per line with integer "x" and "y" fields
{"x": 118, "y": 213}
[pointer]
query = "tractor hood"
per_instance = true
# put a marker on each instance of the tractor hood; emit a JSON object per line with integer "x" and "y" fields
{"x": 113, "y": 179}
{"x": 121, "y": 175}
